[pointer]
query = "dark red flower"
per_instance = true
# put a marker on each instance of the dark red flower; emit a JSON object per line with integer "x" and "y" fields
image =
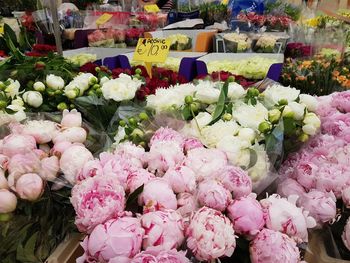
{"x": 35, "y": 54}
{"x": 44, "y": 48}
{"x": 2, "y": 53}
{"x": 89, "y": 68}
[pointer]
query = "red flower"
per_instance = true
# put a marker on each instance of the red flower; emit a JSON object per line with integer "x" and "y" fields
{"x": 89, "y": 68}
{"x": 43, "y": 48}
{"x": 35, "y": 54}
{"x": 2, "y": 53}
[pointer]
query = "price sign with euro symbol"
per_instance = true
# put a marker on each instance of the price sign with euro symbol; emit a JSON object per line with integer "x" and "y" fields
{"x": 151, "y": 50}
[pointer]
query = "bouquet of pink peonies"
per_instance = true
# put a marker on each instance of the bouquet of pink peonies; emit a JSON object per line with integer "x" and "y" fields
{"x": 179, "y": 202}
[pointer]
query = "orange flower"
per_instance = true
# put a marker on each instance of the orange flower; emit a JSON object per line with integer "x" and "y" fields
{"x": 301, "y": 78}
{"x": 341, "y": 78}
{"x": 306, "y": 63}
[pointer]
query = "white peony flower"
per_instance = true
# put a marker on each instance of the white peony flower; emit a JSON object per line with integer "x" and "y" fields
{"x": 202, "y": 119}
{"x": 16, "y": 105}
{"x": 212, "y": 134}
{"x": 72, "y": 90}
{"x": 12, "y": 89}
{"x": 208, "y": 95}
{"x": 247, "y": 134}
{"x": 120, "y": 89}
{"x": 311, "y": 123}
{"x": 262, "y": 165}
{"x": 33, "y": 98}
{"x": 103, "y": 80}
{"x": 275, "y": 93}
{"x": 54, "y": 82}
{"x": 235, "y": 91}
{"x": 250, "y": 116}
{"x": 39, "y": 86}
{"x": 235, "y": 150}
{"x": 310, "y": 102}
{"x": 297, "y": 109}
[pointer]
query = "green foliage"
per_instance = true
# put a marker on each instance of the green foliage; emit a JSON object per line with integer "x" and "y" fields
{"x": 220, "y": 106}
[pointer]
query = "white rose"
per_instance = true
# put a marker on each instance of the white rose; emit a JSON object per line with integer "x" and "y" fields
{"x": 247, "y": 134}
{"x": 212, "y": 134}
{"x": 275, "y": 93}
{"x": 262, "y": 165}
{"x": 250, "y": 116}
{"x": 54, "y": 82}
{"x": 235, "y": 91}
{"x": 39, "y": 86}
{"x": 311, "y": 123}
{"x": 33, "y": 98}
{"x": 208, "y": 95}
{"x": 120, "y": 89}
{"x": 297, "y": 109}
{"x": 103, "y": 80}
{"x": 12, "y": 89}
{"x": 309, "y": 101}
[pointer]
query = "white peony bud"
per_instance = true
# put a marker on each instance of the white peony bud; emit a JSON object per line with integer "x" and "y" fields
{"x": 309, "y": 101}
{"x": 39, "y": 86}
{"x": 33, "y": 98}
{"x": 54, "y": 82}
{"x": 311, "y": 123}
{"x": 298, "y": 110}
{"x": 103, "y": 80}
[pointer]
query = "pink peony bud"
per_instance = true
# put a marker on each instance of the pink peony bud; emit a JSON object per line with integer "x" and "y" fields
{"x": 119, "y": 238}
{"x": 29, "y": 186}
{"x": 3, "y": 181}
{"x": 138, "y": 178}
{"x": 144, "y": 257}
{"x": 72, "y": 160}
{"x": 321, "y": 205}
{"x": 164, "y": 230}
{"x": 172, "y": 256}
{"x": 152, "y": 197}
{"x": 235, "y": 180}
{"x": 290, "y": 187}
{"x": 271, "y": 246}
{"x": 24, "y": 163}
{"x": 212, "y": 194}
{"x": 246, "y": 215}
{"x": 71, "y": 119}
{"x": 181, "y": 179}
{"x": 42, "y": 131}
{"x": 59, "y": 148}
{"x": 346, "y": 196}
{"x": 49, "y": 168}
{"x": 284, "y": 216}
{"x": 73, "y": 135}
{"x": 210, "y": 235}
{"x": 40, "y": 153}
{"x": 192, "y": 143}
{"x": 305, "y": 174}
{"x": 346, "y": 234}
{"x": 90, "y": 169}
{"x": 186, "y": 204}
{"x": 4, "y": 161}
{"x": 8, "y": 201}
{"x": 167, "y": 134}
{"x": 205, "y": 162}
{"x": 18, "y": 144}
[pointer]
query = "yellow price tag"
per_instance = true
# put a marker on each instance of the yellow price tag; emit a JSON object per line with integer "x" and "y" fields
{"x": 224, "y": 2}
{"x": 103, "y": 19}
{"x": 151, "y": 8}
{"x": 1, "y": 29}
{"x": 151, "y": 50}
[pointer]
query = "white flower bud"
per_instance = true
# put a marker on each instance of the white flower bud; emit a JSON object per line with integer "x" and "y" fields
{"x": 33, "y": 98}
{"x": 39, "y": 86}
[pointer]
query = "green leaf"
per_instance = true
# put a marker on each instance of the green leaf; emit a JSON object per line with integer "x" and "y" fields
{"x": 289, "y": 126}
{"x": 220, "y": 106}
{"x": 132, "y": 199}
{"x": 8, "y": 32}
{"x": 253, "y": 158}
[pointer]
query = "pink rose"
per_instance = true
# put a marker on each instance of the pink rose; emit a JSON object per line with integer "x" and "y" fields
{"x": 210, "y": 235}
{"x": 117, "y": 238}
{"x": 71, "y": 118}
{"x": 137, "y": 178}
{"x": 290, "y": 187}
{"x": 346, "y": 234}
{"x": 192, "y": 143}
{"x": 181, "y": 179}
{"x": 59, "y": 148}
{"x": 90, "y": 169}
{"x": 29, "y": 186}
{"x": 205, "y": 162}
{"x": 283, "y": 215}
{"x": 42, "y": 131}
{"x": 246, "y": 215}
{"x": 17, "y": 144}
{"x": 321, "y": 205}
{"x": 345, "y": 196}
{"x": 145, "y": 257}
{"x": 72, "y": 160}
{"x": 162, "y": 156}
{"x": 96, "y": 200}
{"x": 186, "y": 204}
{"x": 212, "y": 194}
{"x": 271, "y": 246}
{"x": 172, "y": 256}
{"x": 164, "y": 230}
{"x": 135, "y": 154}
{"x": 49, "y": 168}
{"x": 8, "y": 201}
{"x": 3, "y": 180}
{"x": 24, "y": 163}
{"x": 235, "y": 180}
{"x": 341, "y": 101}
{"x": 72, "y": 134}
{"x": 152, "y": 197}
{"x": 167, "y": 134}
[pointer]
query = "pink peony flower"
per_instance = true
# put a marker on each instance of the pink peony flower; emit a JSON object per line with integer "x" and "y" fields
{"x": 72, "y": 161}
{"x": 72, "y": 134}
{"x": 4, "y": 161}
{"x": 167, "y": 134}
{"x": 24, "y": 163}
{"x": 162, "y": 156}
{"x": 284, "y": 216}
{"x": 3, "y": 180}
{"x": 192, "y": 143}
{"x": 8, "y": 201}
{"x": 145, "y": 257}
{"x": 181, "y": 179}
{"x": 116, "y": 239}
{"x": 164, "y": 230}
{"x": 341, "y": 101}
{"x": 270, "y": 246}
{"x": 137, "y": 178}
{"x": 50, "y": 167}
{"x": 17, "y": 144}
{"x": 153, "y": 197}
{"x": 135, "y": 154}
{"x": 59, "y": 148}
{"x": 235, "y": 180}
{"x": 205, "y": 162}
{"x": 90, "y": 169}
{"x": 29, "y": 186}
{"x": 212, "y": 194}
{"x": 42, "y": 131}
{"x": 346, "y": 234}
{"x": 172, "y": 256}
{"x": 290, "y": 187}
{"x": 96, "y": 200}
{"x": 246, "y": 215}
{"x": 71, "y": 118}
{"x": 186, "y": 204}
{"x": 321, "y": 205}
{"x": 210, "y": 235}
{"x": 345, "y": 196}
{"x": 305, "y": 173}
